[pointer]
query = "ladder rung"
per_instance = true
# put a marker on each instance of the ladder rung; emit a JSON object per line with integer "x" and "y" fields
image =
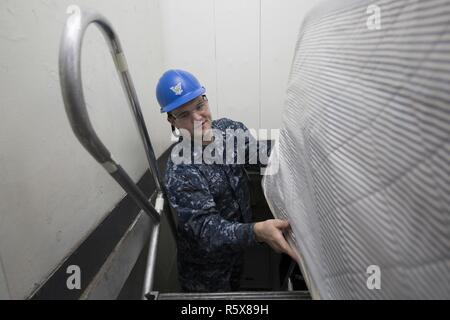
{"x": 246, "y": 295}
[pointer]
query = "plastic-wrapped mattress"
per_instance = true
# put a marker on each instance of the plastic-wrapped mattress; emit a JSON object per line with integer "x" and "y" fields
{"x": 363, "y": 157}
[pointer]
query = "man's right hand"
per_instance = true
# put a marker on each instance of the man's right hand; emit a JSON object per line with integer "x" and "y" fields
{"x": 271, "y": 232}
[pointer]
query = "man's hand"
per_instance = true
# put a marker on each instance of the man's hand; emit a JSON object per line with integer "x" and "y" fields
{"x": 271, "y": 232}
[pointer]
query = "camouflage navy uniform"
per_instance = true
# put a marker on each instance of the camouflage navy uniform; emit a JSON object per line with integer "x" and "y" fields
{"x": 212, "y": 202}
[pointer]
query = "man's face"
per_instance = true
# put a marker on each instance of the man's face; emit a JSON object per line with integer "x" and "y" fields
{"x": 193, "y": 115}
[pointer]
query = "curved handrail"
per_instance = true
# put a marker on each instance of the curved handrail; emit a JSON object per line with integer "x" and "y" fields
{"x": 72, "y": 92}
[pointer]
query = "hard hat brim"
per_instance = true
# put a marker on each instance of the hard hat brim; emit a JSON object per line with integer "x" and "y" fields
{"x": 183, "y": 99}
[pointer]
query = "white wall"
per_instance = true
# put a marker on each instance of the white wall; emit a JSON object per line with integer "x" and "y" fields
{"x": 240, "y": 50}
{"x": 52, "y": 193}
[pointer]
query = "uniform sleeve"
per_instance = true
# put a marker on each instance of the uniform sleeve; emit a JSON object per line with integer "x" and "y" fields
{"x": 199, "y": 219}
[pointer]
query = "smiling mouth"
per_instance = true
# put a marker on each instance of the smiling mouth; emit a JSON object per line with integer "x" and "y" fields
{"x": 202, "y": 125}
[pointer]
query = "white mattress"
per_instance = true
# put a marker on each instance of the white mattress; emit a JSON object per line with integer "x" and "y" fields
{"x": 364, "y": 150}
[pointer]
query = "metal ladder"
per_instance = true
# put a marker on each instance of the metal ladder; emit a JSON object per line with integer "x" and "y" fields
{"x": 75, "y": 106}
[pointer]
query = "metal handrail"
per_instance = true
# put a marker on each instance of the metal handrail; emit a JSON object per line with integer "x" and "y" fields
{"x": 75, "y": 105}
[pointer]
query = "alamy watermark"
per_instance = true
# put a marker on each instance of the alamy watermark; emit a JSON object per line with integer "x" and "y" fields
{"x": 374, "y": 279}
{"x": 374, "y": 20}
{"x": 74, "y": 280}
{"x": 238, "y": 146}
{"x": 73, "y": 10}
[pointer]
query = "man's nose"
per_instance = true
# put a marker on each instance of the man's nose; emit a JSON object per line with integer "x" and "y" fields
{"x": 197, "y": 116}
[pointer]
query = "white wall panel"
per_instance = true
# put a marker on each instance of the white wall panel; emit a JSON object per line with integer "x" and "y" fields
{"x": 240, "y": 50}
{"x": 52, "y": 193}
{"x": 189, "y": 41}
{"x": 237, "y": 37}
{"x": 280, "y": 24}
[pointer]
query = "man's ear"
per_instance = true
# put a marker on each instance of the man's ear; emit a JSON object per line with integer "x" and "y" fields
{"x": 171, "y": 120}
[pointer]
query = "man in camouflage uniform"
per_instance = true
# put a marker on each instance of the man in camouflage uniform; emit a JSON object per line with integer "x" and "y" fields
{"x": 212, "y": 201}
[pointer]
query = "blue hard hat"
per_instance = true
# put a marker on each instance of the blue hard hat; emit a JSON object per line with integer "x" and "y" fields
{"x": 175, "y": 88}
